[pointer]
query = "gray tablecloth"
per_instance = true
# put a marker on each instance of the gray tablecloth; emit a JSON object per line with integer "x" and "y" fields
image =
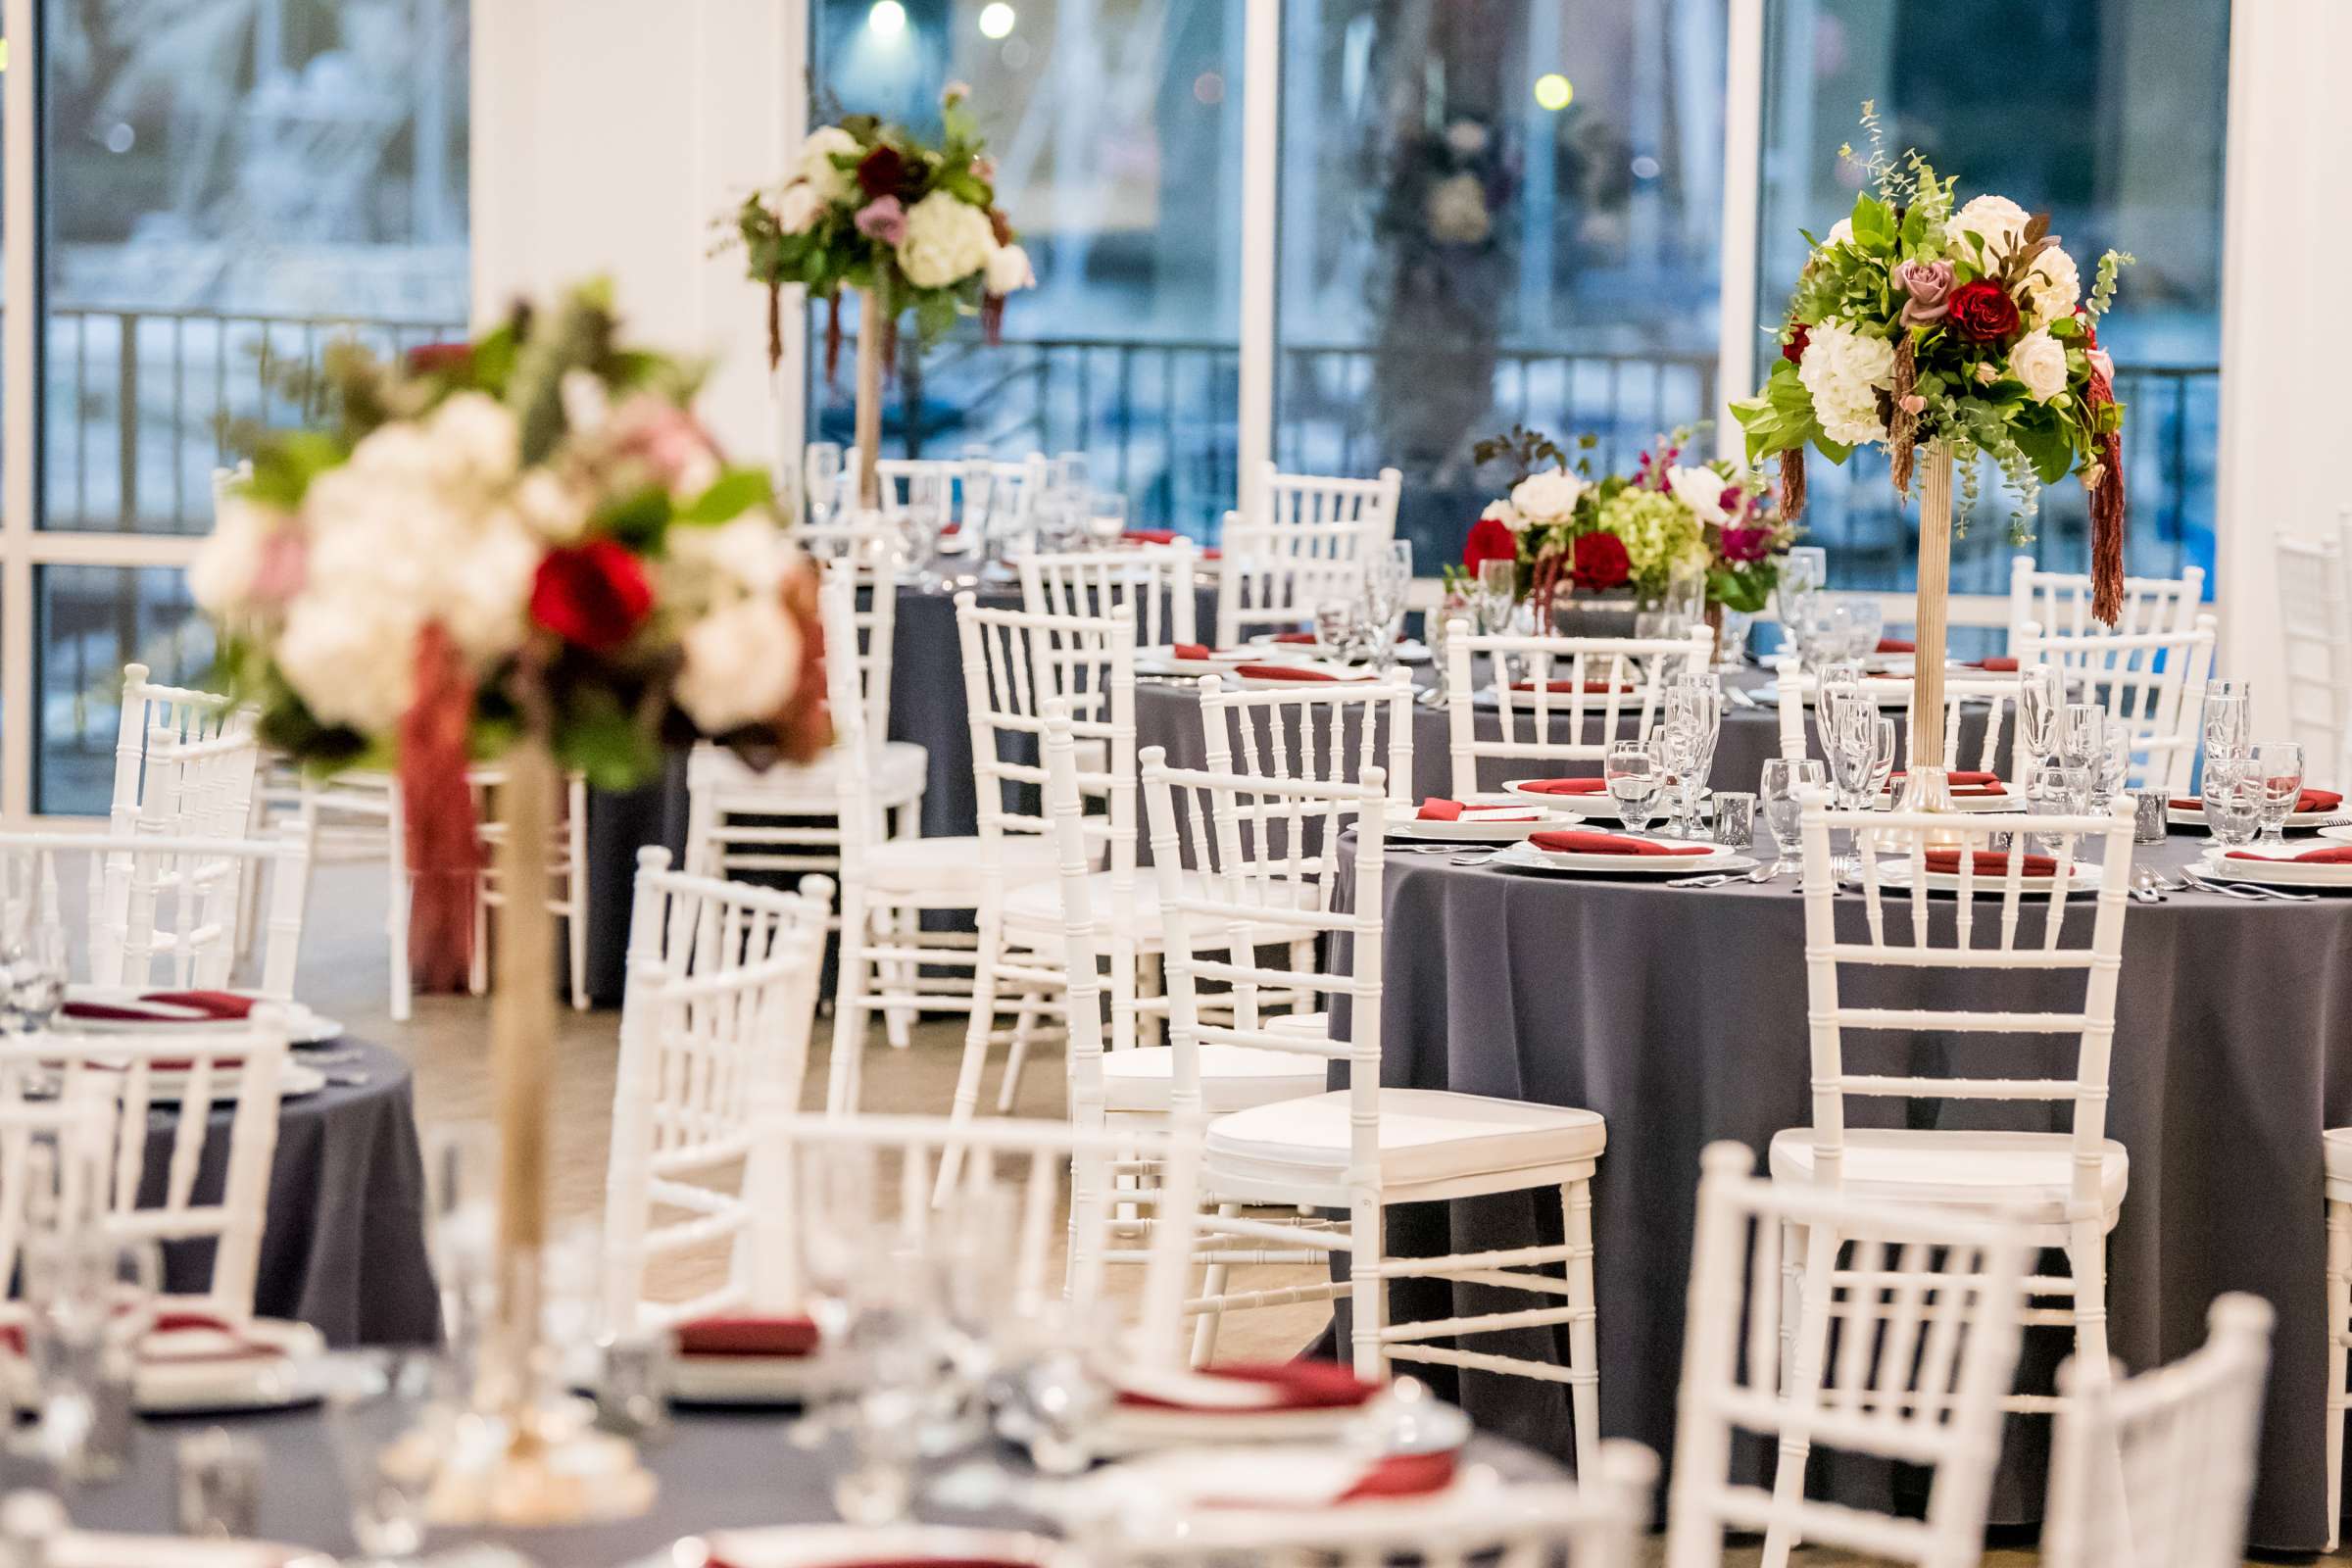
{"x": 343, "y": 1246}
{"x": 1680, "y": 1015}
{"x": 716, "y": 1471}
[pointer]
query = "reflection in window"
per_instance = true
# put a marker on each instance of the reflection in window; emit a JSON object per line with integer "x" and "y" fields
{"x": 2108, "y": 117}
{"x": 1492, "y": 213}
{"x": 89, "y": 621}
{"x": 1117, "y": 128}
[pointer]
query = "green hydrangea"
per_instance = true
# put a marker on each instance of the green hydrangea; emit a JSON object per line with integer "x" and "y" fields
{"x": 1660, "y": 534}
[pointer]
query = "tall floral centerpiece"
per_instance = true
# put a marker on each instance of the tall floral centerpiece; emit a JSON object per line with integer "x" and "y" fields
{"x": 524, "y": 549}
{"x": 908, "y": 224}
{"x": 1571, "y": 532}
{"x": 1958, "y": 332}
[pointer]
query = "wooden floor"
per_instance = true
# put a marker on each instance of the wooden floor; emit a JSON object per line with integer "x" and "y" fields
{"x": 446, "y": 1040}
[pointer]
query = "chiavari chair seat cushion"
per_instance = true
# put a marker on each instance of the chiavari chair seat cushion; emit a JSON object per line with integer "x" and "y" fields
{"x": 951, "y": 866}
{"x": 2337, "y": 1143}
{"x": 1427, "y": 1136}
{"x": 1232, "y": 1078}
{"x": 2016, "y": 1171}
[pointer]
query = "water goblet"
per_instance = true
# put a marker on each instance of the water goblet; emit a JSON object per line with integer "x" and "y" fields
{"x": 1783, "y": 813}
{"x": 1335, "y": 629}
{"x": 1634, "y": 777}
{"x": 1497, "y": 596}
{"x": 2040, "y": 694}
{"x": 2082, "y": 728}
{"x": 2054, "y": 789}
{"x": 2280, "y": 766}
{"x": 1105, "y": 517}
{"x": 2114, "y": 765}
{"x": 921, "y": 522}
{"x": 1866, "y": 622}
{"x": 821, "y": 466}
{"x": 2234, "y": 790}
{"x": 388, "y": 1436}
{"x": 2228, "y": 718}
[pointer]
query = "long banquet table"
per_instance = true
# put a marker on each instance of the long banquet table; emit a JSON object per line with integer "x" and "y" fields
{"x": 1680, "y": 1015}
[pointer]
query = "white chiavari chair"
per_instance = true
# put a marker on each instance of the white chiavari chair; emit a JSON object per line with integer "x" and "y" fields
{"x": 1013, "y": 486}
{"x": 568, "y": 893}
{"x": 1154, "y": 582}
{"x": 2158, "y": 1471}
{"x": 154, "y": 713}
{"x": 2067, "y": 1187}
{"x": 2315, "y": 621}
{"x": 1032, "y": 1160}
{"x": 1597, "y": 1523}
{"x": 2058, "y": 604}
{"x": 1297, "y": 540}
{"x": 1936, "y": 1292}
{"x": 1239, "y": 857}
{"x": 1568, "y": 699}
{"x": 1995, "y": 695}
{"x": 2152, "y": 683}
{"x": 722, "y": 987}
{"x": 56, "y": 1154}
{"x": 199, "y": 1072}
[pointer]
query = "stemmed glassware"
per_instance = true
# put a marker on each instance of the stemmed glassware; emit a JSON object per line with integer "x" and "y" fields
{"x": 388, "y": 1455}
{"x": 1783, "y": 811}
{"x": 1693, "y": 721}
{"x": 2081, "y": 742}
{"x": 2233, "y": 792}
{"x": 2114, "y": 765}
{"x": 921, "y": 522}
{"x": 1804, "y": 572}
{"x": 2040, "y": 694}
{"x": 2229, "y": 718}
{"x": 2280, "y": 766}
{"x": 1634, "y": 777}
{"x": 1387, "y": 584}
{"x": 2054, "y": 789}
{"x": 976, "y": 474}
{"x": 32, "y": 945}
{"x": 1106, "y": 518}
{"x": 821, "y": 466}
{"x": 1860, "y": 744}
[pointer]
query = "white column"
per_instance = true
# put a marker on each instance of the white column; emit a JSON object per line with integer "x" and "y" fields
{"x": 1261, "y": 136}
{"x": 1743, "y": 183}
{"x": 19, "y": 222}
{"x": 611, "y": 138}
{"x": 2284, "y": 337}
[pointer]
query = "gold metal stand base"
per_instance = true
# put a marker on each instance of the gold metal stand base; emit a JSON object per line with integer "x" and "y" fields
{"x": 557, "y": 1470}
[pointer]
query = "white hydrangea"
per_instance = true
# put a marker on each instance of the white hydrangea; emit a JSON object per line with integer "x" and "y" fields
{"x": 222, "y": 576}
{"x": 946, "y": 242}
{"x": 477, "y": 439}
{"x": 799, "y": 208}
{"x": 555, "y": 511}
{"x": 1844, "y": 370}
{"x": 351, "y": 658}
{"x": 1457, "y": 211}
{"x": 2054, "y": 288}
{"x": 1008, "y": 270}
{"x": 742, "y": 661}
{"x": 1548, "y": 496}
{"x": 825, "y": 143}
{"x": 2039, "y": 359}
{"x": 1996, "y": 220}
{"x": 746, "y": 556}
{"x": 1701, "y": 490}
{"x": 1504, "y": 513}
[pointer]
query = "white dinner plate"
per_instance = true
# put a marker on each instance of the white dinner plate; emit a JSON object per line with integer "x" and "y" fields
{"x": 1718, "y": 857}
{"x": 1968, "y": 803}
{"x": 753, "y": 1379}
{"x": 304, "y": 1027}
{"x": 186, "y": 1372}
{"x": 169, "y": 1086}
{"x": 2300, "y": 821}
{"x": 1414, "y": 830}
{"x": 2285, "y": 873}
{"x": 1897, "y": 873}
{"x": 1599, "y": 805}
{"x": 837, "y": 1545}
{"x": 1341, "y": 675}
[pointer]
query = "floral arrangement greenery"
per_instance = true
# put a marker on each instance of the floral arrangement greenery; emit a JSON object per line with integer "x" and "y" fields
{"x": 527, "y": 535}
{"x": 1570, "y": 532}
{"x": 873, "y": 205}
{"x": 1915, "y": 322}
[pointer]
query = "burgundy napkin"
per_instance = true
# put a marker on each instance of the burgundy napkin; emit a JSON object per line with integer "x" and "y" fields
{"x": 1283, "y": 672}
{"x": 1296, "y": 1385}
{"x": 12, "y": 1337}
{"x": 1568, "y": 841}
{"x": 1897, "y": 645}
{"x": 1433, "y": 809}
{"x": 2333, "y": 854}
{"x": 221, "y": 1005}
{"x": 1989, "y": 862}
{"x": 1307, "y": 638}
{"x": 1405, "y": 1475}
{"x": 1149, "y": 536}
{"x": 1566, "y": 786}
{"x": 1998, "y": 664}
{"x": 747, "y": 1336}
{"x": 1192, "y": 650}
{"x": 1964, "y": 783}
{"x": 1595, "y": 687}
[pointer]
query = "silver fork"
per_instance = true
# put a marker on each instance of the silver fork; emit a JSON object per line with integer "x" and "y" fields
{"x": 1708, "y": 880}
{"x": 2248, "y": 891}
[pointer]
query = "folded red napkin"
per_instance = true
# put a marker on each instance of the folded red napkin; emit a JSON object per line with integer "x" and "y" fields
{"x": 1990, "y": 863}
{"x": 1192, "y": 650}
{"x": 1306, "y": 638}
{"x": 1405, "y": 1475}
{"x": 239, "y": 1348}
{"x": 1296, "y": 1386}
{"x": 1150, "y": 536}
{"x": 2309, "y": 800}
{"x": 747, "y": 1336}
{"x": 213, "y": 1005}
{"x": 2333, "y": 854}
{"x": 1283, "y": 672}
{"x": 1596, "y": 687}
{"x": 1964, "y": 785}
{"x": 1897, "y": 645}
{"x": 1566, "y": 786}
{"x": 1568, "y": 841}
{"x": 1433, "y": 809}
{"x": 1998, "y": 664}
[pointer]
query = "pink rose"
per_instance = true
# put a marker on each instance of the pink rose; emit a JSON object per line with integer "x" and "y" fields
{"x": 1929, "y": 286}
{"x": 1914, "y": 404}
{"x": 882, "y": 219}
{"x": 2101, "y": 362}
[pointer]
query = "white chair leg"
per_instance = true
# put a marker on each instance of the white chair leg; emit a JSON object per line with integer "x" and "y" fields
{"x": 902, "y": 978}
{"x": 1583, "y": 1342}
{"x": 1212, "y": 1286}
{"x": 2087, "y": 1261}
{"x": 1017, "y": 1057}
{"x": 396, "y": 897}
{"x": 850, "y": 1006}
{"x": 982, "y": 1023}
{"x": 2339, "y": 1315}
{"x": 1803, "y": 1387}
{"x": 1368, "y": 1287}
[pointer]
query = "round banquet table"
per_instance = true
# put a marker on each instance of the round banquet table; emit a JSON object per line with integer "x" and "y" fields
{"x": 926, "y": 707}
{"x": 717, "y": 1470}
{"x": 343, "y": 1246}
{"x": 1680, "y": 1015}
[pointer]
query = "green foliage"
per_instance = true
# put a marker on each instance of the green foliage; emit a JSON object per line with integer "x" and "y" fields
{"x": 597, "y": 737}
{"x": 733, "y": 493}
{"x": 1524, "y": 450}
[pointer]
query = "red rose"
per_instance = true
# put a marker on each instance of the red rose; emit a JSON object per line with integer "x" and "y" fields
{"x": 593, "y": 594}
{"x": 433, "y": 359}
{"x": 1793, "y": 351}
{"x": 880, "y": 170}
{"x": 1984, "y": 311}
{"x": 1491, "y": 539}
{"x": 1598, "y": 560}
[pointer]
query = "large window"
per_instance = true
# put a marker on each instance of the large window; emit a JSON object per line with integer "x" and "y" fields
{"x": 1116, "y": 125}
{"x": 1493, "y": 211}
{"x": 2108, "y": 117}
{"x": 228, "y": 184}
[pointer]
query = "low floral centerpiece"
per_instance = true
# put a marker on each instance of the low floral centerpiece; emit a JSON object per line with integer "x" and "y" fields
{"x": 908, "y": 223}
{"x": 524, "y": 550}
{"x": 1960, "y": 332}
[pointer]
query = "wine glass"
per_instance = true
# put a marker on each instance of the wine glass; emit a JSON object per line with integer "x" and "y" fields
{"x": 1783, "y": 811}
{"x": 2081, "y": 737}
{"x": 1695, "y": 703}
{"x": 1634, "y": 777}
{"x": 1105, "y": 517}
{"x": 820, "y": 465}
{"x": 1882, "y": 755}
{"x": 978, "y": 472}
{"x": 2234, "y": 790}
{"x": 1387, "y": 584}
{"x": 1497, "y": 596}
{"x": 2228, "y": 718}
{"x": 921, "y": 522}
{"x": 2114, "y": 766}
{"x": 1335, "y": 629}
{"x": 2040, "y": 694}
{"x": 32, "y": 943}
{"x": 2280, "y": 766}
{"x": 1865, "y": 623}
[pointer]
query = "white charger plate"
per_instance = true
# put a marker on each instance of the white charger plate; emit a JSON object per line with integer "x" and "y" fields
{"x": 2285, "y": 873}
{"x": 1354, "y": 675}
{"x": 165, "y": 1087}
{"x": 1718, "y": 857}
{"x": 1598, "y": 804}
{"x": 834, "y": 1545}
{"x": 749, "y": 1380}
{"x": 300, "y": 1373}
{"x": 303, "y": 1026}
{"x": 1966, "y": 802}
{"x": 1414, "y": 830}
{"x": 1897, "y": 873}
{"x": 2300, "y": 821}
